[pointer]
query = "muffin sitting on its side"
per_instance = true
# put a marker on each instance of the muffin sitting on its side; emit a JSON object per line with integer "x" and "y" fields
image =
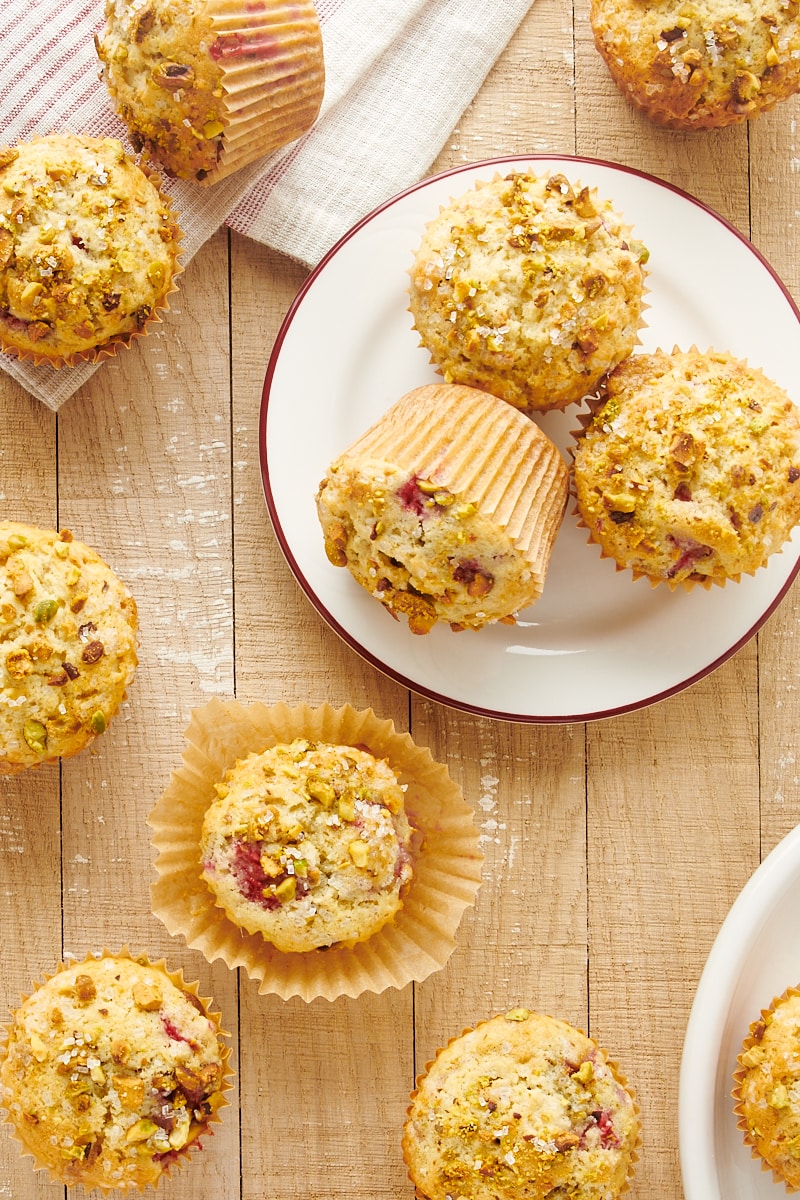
{"x": 67, "y": 645}
{"x": 528, "y": 288}
{"x": 524, "y": 1107}
{"x": 206, "y": 86}
{"x": 309, "y": 845}
{"x": 88, "y": 249}
{"x": 447, "y": 509}
{"x": 704, "y": 66}
{"x": 689, "y": 471}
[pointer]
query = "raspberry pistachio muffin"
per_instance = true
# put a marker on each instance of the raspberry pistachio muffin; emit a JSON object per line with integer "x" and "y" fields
{"x": 689, "y": 470}
{"x": 447, "y": 509}
{"x": 308, "y": 844}
{"x": 704, "y": 66}
{"x": 523, "y": 1107}
{"x": 206, "y": 86}
{"x": 767, "y": 1089}
{"x": 112, "y": 1070}
{"x": 88, "y": 248}
{"x": 67, "y": 645}
{"x": 530, "y": 287}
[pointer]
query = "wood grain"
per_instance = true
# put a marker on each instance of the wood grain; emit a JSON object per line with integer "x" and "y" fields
{"x": 612, "y": 851}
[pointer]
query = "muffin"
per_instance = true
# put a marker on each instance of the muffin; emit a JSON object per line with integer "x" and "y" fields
{"x": 767, "y": 1089}
{"x": 361, "y": 830}
{"x": 701, "y": 66}
{"x": 88, "y": 249}
{"x": 112, "y": 1070}
{"x": 207, "y": 86}
{"x": 689, "y": 471}
{"x": 447, "y": 509}
{"x": 308, "y": 844}
{"x": 530, "y": 288}
{"x": 524, "y": 1107}
{"x": 67, "y": 645}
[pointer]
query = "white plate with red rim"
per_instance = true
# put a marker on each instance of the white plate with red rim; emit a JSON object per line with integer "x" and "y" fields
{"x": 597, "y": 643}
{"x": 755, "y": 957}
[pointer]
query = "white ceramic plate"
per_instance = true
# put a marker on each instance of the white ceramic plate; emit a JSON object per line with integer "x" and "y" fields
{"x": 755, "y": 957}
{"x": 596, "y": 643}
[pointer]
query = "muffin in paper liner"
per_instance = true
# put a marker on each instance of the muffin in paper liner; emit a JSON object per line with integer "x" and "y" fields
{"x": 521, "y": 1105}
{"x": 112, "y": 1070}
{"x": 686, "y": 468}
{"x": 530, "y": 287}
{"x": 766, "y": 1083}
{"x": 89, "y": 247}
{"x": 447, "y": 508}
{"x": 446, "y": 857}
{"x": 209, "y": 86}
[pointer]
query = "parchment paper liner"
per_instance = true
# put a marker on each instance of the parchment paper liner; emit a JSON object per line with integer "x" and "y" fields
{"x": 486, "y": 452}
{"x": 177, "y": 978}
{"x": 269, "y": 99}
{"x": 612, "y": 1065}
{"x": 595, "y": 402}
{"x": 738, "y": 1078}
{"x": 447, "y": 865}
{"x": 109, "y": 348}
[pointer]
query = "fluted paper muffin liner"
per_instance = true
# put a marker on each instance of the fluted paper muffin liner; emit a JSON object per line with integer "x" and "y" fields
{"x": 273, "y": 76}
{"x": 520, "y": 1014}
{"x": 483, "y": 450}
{"x": 758, "y": 1143}
{"x": 446, "y": 857}
{"x": 176, "y": 1158}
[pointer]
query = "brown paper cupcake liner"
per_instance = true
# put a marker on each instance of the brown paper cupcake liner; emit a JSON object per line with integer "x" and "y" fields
{"x": 738, "y": 1077}
{"x": 613, "y": 1066}
{"x": 447, "y": 861}
{"x": 176, "y": 977}
{"x": 97, "y": 354}
{"x": 273, "y": 77}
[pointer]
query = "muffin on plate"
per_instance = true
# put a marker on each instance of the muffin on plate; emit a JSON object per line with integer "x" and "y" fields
{"x": 523, "y": 1107}
{"x": 767, "y": 1089}
{"x": 703, "y": 66}
{"x": 447, "y": 509}
{"x": 68, "y": 630}
{"x": 111, "y": 1071}
{"x": 88, "y": 249}
{"x": 308, "y": 844}
{"x": 208, "y": 86}
{"x": 689, "y": 470}
{"x": 345, "y": 848}
{"x": 530, "y": 287}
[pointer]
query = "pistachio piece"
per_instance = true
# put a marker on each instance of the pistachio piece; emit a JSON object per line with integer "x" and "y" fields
{"x": 98, "y": 721}
{"x": 44, "y": 611}
{"x": 35, "y": 735}
{"x": 140, "y": 1131}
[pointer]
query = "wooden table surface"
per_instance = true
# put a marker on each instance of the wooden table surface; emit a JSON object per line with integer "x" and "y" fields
{"x": 613, "y": 850}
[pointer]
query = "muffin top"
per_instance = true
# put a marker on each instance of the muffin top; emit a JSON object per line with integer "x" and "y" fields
{"x": 528, "y": 287}
{"x": 308, "y": 844}
{"x": 523, "y": 1106}
{"x": 768, "y": 1088}
{"x": 690, "y": 469}
{"x": 67, "y": 645}
{"x": 163, "y": 71}
{"x": 110, "y": 1072}
{"x": 87, "y": 248}
{"x": 700, "y": 66}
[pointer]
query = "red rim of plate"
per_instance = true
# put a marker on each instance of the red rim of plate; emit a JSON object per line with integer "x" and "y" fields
{"x": 344, "y": 634}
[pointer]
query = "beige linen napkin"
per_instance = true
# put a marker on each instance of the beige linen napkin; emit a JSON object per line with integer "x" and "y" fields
{"x": 398, "y": 77}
